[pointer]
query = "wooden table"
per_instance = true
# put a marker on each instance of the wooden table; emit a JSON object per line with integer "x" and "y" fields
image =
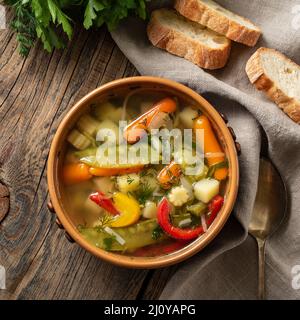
{"x": 35, "y": 94}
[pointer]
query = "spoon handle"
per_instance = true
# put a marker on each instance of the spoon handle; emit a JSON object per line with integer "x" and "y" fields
{"x": 261, "y": 269}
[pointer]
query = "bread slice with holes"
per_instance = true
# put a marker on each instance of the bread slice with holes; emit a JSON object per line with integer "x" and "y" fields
{"x": 277, "y": 75}
{"x": 170, "y": 31}
{"x": 219, "y": 19}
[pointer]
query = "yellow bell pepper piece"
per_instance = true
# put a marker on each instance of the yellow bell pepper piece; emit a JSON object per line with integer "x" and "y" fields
{"x": 129, "y": 209}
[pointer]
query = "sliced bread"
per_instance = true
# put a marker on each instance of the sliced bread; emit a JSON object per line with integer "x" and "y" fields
{"x": 277, "y": 75}
{"x": 219, "y": 19}
{"x": 170, "y": 31}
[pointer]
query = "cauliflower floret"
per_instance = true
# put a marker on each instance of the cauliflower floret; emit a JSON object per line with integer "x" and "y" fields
{"x": 129, "y": 182}
{"x": 178, "y": 196}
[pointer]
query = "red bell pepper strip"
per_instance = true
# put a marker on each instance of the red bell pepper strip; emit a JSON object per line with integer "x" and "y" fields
{"x": 215, "y": 206}
{"x": 104, "y": 202}
{"x": 163, "y": 217}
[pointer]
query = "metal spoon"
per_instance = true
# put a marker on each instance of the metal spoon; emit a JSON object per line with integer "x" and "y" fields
{"x": 268, "y": 213}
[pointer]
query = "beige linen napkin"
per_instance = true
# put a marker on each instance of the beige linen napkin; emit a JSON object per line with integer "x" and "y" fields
{"x": 227, "y": 268}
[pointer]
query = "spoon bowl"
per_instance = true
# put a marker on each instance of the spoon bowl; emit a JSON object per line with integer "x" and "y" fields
{"x": 269, "y": 211}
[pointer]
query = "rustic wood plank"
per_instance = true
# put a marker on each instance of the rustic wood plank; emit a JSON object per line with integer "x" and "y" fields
{"x": 4, "y": 201}
{"x": 23, "y": 159}
{"x": 34, "y": 96}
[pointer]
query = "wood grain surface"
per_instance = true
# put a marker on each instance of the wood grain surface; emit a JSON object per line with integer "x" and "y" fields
{"x": 35, "y": 94}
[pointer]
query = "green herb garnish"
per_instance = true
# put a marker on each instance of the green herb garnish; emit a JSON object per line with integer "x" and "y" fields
{"x": 157, "y": 233}
{"x": 143, "y": 194}
{"x": 108, "y": 242}
{"x": 104, "y": 221}
{"x": 24, "y": 24}
{"x": 129, "y": 180}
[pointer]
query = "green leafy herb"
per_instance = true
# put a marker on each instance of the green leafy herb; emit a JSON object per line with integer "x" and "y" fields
{"x": 91, "y": 12}
{"x": 129, "y": 180}
{"x": 212, "y": 169}
{"x": 48, "y": 19}
{"x": 143, "y": 194}
{"x": 60, "y": 18}
{"x": 157, "y": 233}
{"x": 24, "y": 24}
{"x": 104, "y": 221}
{"x": 108, "y": 242}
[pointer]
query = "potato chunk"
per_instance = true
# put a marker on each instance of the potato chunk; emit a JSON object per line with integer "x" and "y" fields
{"x": 206, "y": 189}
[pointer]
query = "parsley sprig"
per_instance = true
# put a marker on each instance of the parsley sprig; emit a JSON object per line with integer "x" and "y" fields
{"x": 52, "y": 21}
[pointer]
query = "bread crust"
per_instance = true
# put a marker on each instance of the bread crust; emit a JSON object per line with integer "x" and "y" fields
{"x": 176, "y": 43}
{"x": 257, "y": 76}
{"x": 203, "y": 14}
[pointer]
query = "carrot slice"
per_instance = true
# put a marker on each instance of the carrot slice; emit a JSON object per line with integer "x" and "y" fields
{"x": 212, "y": 148}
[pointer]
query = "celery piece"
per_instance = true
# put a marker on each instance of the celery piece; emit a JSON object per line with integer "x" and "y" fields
{"x": 78, "y": 140}
{"x": 136, "y": 236}
{"x": 197, "y": 209}
{"x": 87, "y": 124}
{"x": 178, "y": 218}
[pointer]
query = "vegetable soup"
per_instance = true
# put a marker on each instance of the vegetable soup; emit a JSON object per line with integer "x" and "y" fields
{"x": 147, "y": 205}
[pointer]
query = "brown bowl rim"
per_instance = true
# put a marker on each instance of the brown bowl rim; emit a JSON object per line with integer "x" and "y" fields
{"x": 195, "y": 246}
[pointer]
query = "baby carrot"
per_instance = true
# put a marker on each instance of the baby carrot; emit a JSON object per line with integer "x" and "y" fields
{"x": 75, "y": 173}
{"x": 212, "y": 148}
{"x": 137, "y": 128}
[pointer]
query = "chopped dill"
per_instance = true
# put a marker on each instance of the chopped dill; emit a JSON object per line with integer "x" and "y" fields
{"x": 129, "y": 180}
{"x": 143, "y": 194}
{"x": 104, "y": 221}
